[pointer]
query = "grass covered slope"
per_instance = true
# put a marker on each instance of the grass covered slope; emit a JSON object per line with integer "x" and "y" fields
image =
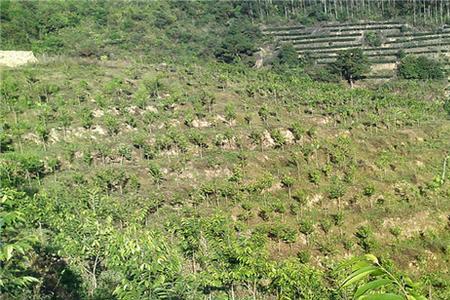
{"x": 193, "y": 181}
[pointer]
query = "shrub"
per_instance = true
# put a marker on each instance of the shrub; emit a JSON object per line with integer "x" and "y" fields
{"x": 6, "y": 143}
{"x": 288, "y": 55}
{"x": 297, "y": 130}
{"x": 314, "y": 176}
{"x": 278, "y": 138}
{"x": 304, "y": 256}
{"x": 322, "y": 74}
{"x": 230, "y": 112}
{"x": 306, "y": 227}
{"x": 373, "y": 39}
{"x": 86, "y": 118}
{"x": 447, "y": 106}
{"x": 421, "y": 68}
{"x": 365, "y": 238}
{"x": 337, "y": 189}
{"x": 112, "y": 124}
{"x": 369, "y": 190}
{"x": 301, "y": 197}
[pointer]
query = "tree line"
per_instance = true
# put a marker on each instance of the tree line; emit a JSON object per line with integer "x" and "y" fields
{"x": 417, "y": 11}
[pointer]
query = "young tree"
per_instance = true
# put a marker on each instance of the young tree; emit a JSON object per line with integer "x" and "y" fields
{"x": 288, "y": 182}
{"x": 155, "y": 171}
{"x": 16, "y": 245}
{"x": 351, "y": 64}
{"x": 377, "y": 280}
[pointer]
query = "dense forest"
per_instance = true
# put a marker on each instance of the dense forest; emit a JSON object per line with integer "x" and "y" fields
{"x": 144, "y": 156}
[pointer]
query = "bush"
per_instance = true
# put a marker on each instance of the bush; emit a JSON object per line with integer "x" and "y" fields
{"x": 420, "y": 68}
{"x": 373, "y": 39}
{"x": 288, "y": 56}
{"x": 447, "y": 106}
{"x": 322, "y": 74}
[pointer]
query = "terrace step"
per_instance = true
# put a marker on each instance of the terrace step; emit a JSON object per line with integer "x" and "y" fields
{"x": 443, "y": 43}
{"x": 362, "y": 24}
{"x": 323, "y": 43}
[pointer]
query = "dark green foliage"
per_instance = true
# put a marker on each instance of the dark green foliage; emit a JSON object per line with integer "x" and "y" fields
{"x": 112, "y": 124}
{"x": 6, "y": 143}
{"x": 373, "y": 39}
{"x": 322, "y": 73}
{"x": 278, "y": 138}
{"x": 365, "y": 238}
{"x": 421, "y": 68}
{"x": 239, "y": 43}
{"x": 287, "y": 56}
{"x": 86, "y": 118}
{"x": 351, "y": 64}
{"x": 337, "y": 189}
{"x": 447, "y": 106}
{"x": 16, "y": 245}
{"x": 369, "y": 190}
{"x": 306, "y": 227}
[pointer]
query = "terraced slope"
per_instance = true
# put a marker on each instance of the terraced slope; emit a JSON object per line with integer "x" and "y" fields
{"x": 324, "y": 43}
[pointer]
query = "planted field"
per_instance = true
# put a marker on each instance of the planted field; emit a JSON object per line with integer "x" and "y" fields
{"x": 288, "y": 166}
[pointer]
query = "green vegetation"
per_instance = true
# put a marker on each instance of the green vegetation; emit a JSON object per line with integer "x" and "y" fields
{"x": 239, "y": 44}
{"x": 421, "y": 68}
{"x": 373, "y": 39}
{"x": 144, "y": 157}
{"x": 288, "y": 56}
{"x": 384, "y": 285}
{"x": 166, "y": 174}
{"x": 351, "y": 65}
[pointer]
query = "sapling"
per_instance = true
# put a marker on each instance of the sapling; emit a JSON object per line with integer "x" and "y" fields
{"x": 230, "y": 112}
{"x": 155, "y": 171}
{"x": 288, "y": 182}
{"x": 278, "y": 138}
{"x": 444, "y": 169}
{"x": 43, "y": 133}
{"x": 307, "y": 228}
{"x": 337, "y": 190}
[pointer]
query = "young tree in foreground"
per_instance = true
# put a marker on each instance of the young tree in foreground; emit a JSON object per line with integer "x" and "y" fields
{"x": 382, "y": 283}
{"x": 16, "y": 245}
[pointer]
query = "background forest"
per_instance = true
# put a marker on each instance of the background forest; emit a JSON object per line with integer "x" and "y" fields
{"x": 144, "y": 157}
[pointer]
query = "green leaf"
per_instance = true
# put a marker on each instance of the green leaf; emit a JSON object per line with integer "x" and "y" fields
{"x": 370, "y": 286}
{"x": 29, "y": 279}
{"x": 359, "y": 274}
{"x": 387, "y": 296}
{"x": 415, "y": 297}
{"x": 372, "y": 258}
{"x": 8, "y": 252}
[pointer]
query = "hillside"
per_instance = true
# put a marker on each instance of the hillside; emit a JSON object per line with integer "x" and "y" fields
{"x": 133, "y": 167}
{"x": 116, "y": 145}
{"x": 383, "y": 42}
